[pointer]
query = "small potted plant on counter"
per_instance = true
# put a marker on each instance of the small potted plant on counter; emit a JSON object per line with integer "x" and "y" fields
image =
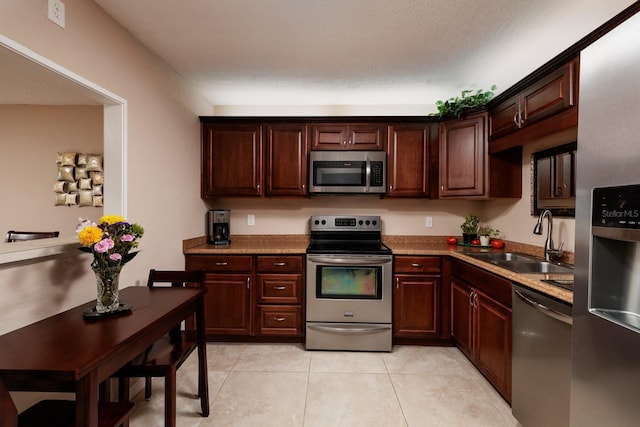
{"x": 486, "y": 233}
{"x": 470, "y": 228}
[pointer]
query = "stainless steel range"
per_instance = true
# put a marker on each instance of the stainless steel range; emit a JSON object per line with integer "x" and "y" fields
{"x": 348, "y": 285}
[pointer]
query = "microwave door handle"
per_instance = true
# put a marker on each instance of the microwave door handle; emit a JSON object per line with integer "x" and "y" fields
{"x": 368, "y": 176}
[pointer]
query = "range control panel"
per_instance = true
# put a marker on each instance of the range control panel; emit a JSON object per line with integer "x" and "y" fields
{"x": 345, "y": 223}
{"x": 617, "y": 207}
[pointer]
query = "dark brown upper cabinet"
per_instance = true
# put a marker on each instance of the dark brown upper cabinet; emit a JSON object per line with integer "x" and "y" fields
{"x": 408, "y": 157}
{"x": 352, "y": 136}
{"x": 231, "y": 160}
{"x": 286, "y": 160}
{"x": 545, "y": 106}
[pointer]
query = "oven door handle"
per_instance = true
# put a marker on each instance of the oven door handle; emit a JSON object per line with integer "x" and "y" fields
{"x": 360, "y": 329}
{"x": 350, "y": 260}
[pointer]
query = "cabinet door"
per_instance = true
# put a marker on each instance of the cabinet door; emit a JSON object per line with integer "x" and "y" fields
{"x": 366, "y": 137}
{"x": 232, "y": 160}
{"x": 228, "y": 304}
{"x": 462, "y": 316}
{"x": 408, "y": 161}
{"x": 416, "y": 306}
{"x": 550, "y": 95}
{"x": 463, "y": 157}
{"x": 329, "y": 136}
{"x": 492, "y": 347}
{"x": 286, "y": 166}
{"x": 504, "y": 118}
{"x": 357, "y": 136}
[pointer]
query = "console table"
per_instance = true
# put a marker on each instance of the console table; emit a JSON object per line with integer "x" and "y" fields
{"x": 70, "y": 353}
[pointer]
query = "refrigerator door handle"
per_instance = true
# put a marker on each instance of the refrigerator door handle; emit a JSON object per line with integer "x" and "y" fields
{"x": 544, "y": 309}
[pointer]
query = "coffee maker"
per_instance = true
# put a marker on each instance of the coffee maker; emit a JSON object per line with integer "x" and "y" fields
{"x": 218, "y": 223}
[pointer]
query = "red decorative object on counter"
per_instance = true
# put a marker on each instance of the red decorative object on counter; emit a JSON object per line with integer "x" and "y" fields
{"x": 452, "y": 241}
{"x": 497, "y": 243}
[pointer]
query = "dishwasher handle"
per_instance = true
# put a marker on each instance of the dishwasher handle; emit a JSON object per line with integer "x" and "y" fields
{"x": 544, "y": 309}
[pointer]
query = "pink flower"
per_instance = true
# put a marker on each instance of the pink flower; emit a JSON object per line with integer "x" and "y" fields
{"x": 115, "y": 257}
{"x": 104, "y": 245}
{"x": 126, "y": 238}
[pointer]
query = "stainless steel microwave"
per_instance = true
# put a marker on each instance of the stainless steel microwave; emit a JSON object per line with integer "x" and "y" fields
{"x": 340, "y": 172}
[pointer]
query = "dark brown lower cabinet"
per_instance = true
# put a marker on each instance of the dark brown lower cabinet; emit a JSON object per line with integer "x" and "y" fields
{"x": 418, "y": 314}
{"x": 252, "y": 297}
{"x": 481, "y": 322}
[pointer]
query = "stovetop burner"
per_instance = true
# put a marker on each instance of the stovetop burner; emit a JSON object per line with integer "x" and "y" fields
{"x": 332, "y": 234}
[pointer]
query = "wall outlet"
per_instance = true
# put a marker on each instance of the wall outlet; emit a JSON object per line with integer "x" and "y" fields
{"x": 56, "y": 12}
{"x": 428, "y": 222}
{"x": 251, "y": 220}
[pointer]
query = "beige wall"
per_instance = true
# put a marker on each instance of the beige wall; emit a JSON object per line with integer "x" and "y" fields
{"x": 30, "y": 138}
{"x": 162, "y": 151}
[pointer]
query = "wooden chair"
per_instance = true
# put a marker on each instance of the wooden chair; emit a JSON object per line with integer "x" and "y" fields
{"x": 18, "y": 236}
{"x": 59, "y": 413}
{"x": 166, "y": 355}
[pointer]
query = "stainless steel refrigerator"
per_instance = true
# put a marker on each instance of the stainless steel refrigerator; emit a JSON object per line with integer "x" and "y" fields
{"x": 605, "y": 383}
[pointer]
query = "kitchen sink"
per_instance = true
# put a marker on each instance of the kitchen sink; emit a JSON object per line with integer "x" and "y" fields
{"x": 534, "y": 267}
{"x": 500, "y": 256}
{"x": 521, "y": 263}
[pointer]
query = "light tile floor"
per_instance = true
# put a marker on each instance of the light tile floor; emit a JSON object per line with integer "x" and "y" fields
{"x": 284, "y": 385}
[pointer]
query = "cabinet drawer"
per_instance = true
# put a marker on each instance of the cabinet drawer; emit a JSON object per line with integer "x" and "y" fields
{"x": 417, "y": 264}
{"x": 279, "y": 320}
{"x": 280, "y": 288}
{"x": 278, "y": 264}
{"x": 221, "y": 263}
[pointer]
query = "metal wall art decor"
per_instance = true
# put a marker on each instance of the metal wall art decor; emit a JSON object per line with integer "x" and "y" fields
{"x": 80, "y": 180}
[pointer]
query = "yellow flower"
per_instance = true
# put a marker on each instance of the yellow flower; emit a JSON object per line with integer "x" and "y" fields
{"x": 111, "y": 219}
{"x": 90, "y": 235}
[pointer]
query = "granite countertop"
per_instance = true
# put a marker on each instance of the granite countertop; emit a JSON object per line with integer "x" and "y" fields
{"x": 400, "y": 245}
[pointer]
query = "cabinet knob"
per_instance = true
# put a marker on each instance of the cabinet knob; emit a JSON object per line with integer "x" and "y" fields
{"x": 344, "y": 142}
{"x": 258, "y": 187}
{"x": 279, "y": 264}
{"x": 222, "y": 264}
{"x": 248, "y": 282}
{"x": 279, "y": 319}
{"x": 279, "y": 288}
{"x": 416, "y": 265}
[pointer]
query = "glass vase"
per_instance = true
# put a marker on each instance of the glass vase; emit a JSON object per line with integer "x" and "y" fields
{"x": 107, "y": 281}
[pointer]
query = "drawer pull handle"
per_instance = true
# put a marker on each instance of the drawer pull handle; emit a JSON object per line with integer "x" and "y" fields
{"x": 416, "y": 265}
{"x": 279, "y": 319}
{"x": 279, "y": 288}
{"x": 222, "y": 264}
{"x": 279, "y": 264}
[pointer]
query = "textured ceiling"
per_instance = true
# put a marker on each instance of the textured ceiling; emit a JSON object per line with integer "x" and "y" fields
{"x": 332, "y": 52}
{"x": 297, "y": 52}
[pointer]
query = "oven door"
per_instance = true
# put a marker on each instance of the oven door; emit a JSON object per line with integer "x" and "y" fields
{"x": 349, "y": 288}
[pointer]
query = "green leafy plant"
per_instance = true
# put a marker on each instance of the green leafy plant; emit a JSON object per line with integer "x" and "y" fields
{"x": 488, "y": 231}
{"x": 470, "y": 224}
{"x": 467, "y": 99}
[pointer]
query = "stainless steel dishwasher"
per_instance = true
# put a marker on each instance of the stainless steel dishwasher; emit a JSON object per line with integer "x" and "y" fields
{"x": 541, "y": 362}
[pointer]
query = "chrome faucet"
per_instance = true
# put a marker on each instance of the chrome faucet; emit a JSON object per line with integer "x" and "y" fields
{"x": 550, "y": 253}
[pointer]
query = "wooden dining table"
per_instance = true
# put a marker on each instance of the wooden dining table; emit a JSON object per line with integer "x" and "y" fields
{"x": 69, "y": 352}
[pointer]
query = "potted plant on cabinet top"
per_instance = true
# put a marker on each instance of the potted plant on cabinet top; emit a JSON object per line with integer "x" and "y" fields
{"x": 455, "y": 106}
{"x": 470, "y": 228}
